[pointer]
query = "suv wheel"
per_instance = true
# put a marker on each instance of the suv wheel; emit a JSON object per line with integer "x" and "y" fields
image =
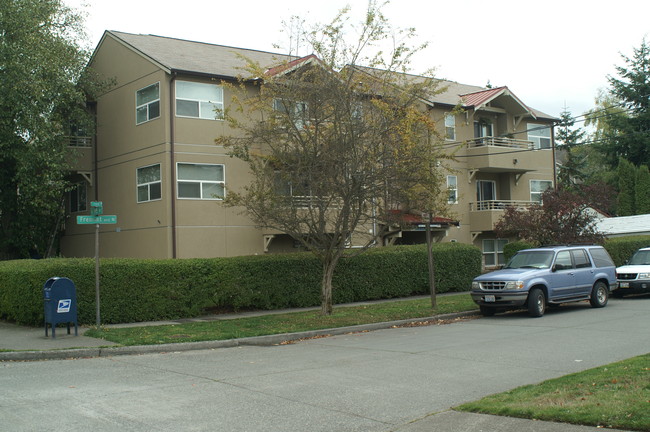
{"x": 536, "y": 302}
{"x": 599, "y": 295}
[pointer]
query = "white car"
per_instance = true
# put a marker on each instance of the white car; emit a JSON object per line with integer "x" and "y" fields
{"x": 634, "y": 276}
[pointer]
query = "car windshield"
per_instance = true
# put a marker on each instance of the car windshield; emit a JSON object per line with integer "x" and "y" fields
{"x": 642, "y": 257}
{"x": 532, "y": 259}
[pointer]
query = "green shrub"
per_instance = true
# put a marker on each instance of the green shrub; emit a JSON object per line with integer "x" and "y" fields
{"x": 510, "y": 249}
{"x": 134, "y": 290}
{"x": 621, "y": 249}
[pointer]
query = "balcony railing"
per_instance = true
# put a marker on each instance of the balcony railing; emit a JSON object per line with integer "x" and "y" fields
{"x": 80, "y": 141}
{"x": 499, "y": 142}
{"x": 500, "y": 205}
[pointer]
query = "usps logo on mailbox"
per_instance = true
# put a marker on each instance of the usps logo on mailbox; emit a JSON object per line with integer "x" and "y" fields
{"x": 64, "y": 306}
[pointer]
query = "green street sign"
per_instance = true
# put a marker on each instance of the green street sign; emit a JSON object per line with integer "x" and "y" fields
{"x": 104, "y": 219}
{"x": 96, "y": 208}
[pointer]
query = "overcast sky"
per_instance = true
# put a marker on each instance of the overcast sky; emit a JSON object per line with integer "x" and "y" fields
{"x": 548, "y": 53}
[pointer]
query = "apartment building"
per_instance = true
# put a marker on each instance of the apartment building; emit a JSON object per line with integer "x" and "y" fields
{"x": 152, "y": 160}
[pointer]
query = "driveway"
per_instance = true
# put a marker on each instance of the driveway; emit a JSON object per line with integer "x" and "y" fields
{"x": 386, "y": 380}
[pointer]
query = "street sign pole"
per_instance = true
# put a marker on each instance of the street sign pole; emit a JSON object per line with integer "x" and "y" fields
{"x": 97, "y": 217}
{"x": 98, "y": 320}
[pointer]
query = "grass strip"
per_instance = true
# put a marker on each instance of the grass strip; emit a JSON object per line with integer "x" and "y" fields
{"x": 283, "y": 323}
{"x": 613, "y": 396}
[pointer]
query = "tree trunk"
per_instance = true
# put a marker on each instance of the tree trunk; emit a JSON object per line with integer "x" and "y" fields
{"x": 326, "y": 285}
{"x": 432, "y": 279}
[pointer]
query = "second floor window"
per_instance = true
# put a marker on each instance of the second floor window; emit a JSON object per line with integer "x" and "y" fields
{"x": 540, "y": 135}
{"x": 450, "y": 127}
{"x": 149, "y": 184}
{"x": 537, "y": 188}
{"x": 147, "y": 103}
{"x": 452, "y": 187}
{"x": 199, "y": 100}
{"x": 201, "y": 181}
{"x": 482, "y": 128}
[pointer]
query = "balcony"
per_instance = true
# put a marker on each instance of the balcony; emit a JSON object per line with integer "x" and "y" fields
{"x": 500, "y": 154}
{"x": 483, "y": 215}
{"x": 80, "y": 153}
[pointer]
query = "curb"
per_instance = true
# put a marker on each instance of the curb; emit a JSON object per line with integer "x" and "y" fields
{"x": 267, "y": 340}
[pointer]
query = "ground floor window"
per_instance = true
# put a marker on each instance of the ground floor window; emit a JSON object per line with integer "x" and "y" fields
{"x": 201, "y": 181}
{"x": 78, "y": 198}
{"x": 493, "y": 252}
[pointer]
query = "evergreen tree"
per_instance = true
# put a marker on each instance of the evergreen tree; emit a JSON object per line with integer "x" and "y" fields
{"x": 642, "y": 190}
{"x": 626, "y": 187}
{"x": 568, "y": 140}
{"x": 624, "y": 118}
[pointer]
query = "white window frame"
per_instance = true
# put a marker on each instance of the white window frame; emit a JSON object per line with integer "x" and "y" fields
{"x": 450, "y": 127}
{"x": 452, "y": 187}
{"x": 147, "y": 105}
{"x": 148, "y": 184}
{"x": 80, "y": 192}
{"x": 496, "y": 255}
{"x": 201, "y": 182}
{"x": 207, "y": 109}
{"x": 537, "y": 191}
{"x": 536, "y": 133}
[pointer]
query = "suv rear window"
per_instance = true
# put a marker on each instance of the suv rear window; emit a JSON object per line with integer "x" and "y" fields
{"x": 601, "y": 257}
{"x": 580, "y": 258}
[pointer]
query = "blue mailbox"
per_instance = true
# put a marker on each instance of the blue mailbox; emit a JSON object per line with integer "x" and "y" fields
{"x": 60, "y": 302}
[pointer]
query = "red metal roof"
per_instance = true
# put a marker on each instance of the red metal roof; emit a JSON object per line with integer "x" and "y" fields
{"x": 291, "y": 65}
{"x": 481, "y": 97}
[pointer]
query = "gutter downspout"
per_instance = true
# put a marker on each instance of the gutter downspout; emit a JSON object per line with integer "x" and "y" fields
{"x": 172, "y": 163}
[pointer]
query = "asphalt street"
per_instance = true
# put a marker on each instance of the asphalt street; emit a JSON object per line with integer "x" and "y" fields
{"x": 398, "y": 379}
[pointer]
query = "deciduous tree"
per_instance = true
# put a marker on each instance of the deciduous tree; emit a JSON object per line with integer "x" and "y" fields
{"x": 563, "y": 218}
{"x": 41, "y": 63}
{"x": 337, "y": 140}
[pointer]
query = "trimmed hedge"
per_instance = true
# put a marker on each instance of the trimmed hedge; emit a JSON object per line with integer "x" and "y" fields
{"x": 134, "y": 290}
{"x": 621, "y": 249}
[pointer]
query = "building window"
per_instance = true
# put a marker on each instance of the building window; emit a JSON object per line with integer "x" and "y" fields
{"x": 452, "y": 187}
{"x": 201, "y": 181}
{"x": 482, "y": 128}
{"x": 450, "y": 127}
{"x": 296, "y": 111}
{"x": 493, "y": 252}
{"x": 540, "y": 135}
{"x": 149, "y": 184}
{"x": 78, "y": 198}
{"x": 147, "y": 103}
{"x": 199, "y": 100}
{"x": 537, "y": 188}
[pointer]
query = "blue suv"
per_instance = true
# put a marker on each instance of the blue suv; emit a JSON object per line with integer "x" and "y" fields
{"x": 535, "y": 278}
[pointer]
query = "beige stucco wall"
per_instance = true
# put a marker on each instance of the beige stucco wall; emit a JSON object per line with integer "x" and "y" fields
{"x": 207, "y": 228}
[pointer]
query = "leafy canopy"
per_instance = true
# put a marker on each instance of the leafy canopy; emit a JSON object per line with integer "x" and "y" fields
{"x": 336, "y": 140}
{"x": 41, "y": 65}
{"x": 564, "y": 218}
